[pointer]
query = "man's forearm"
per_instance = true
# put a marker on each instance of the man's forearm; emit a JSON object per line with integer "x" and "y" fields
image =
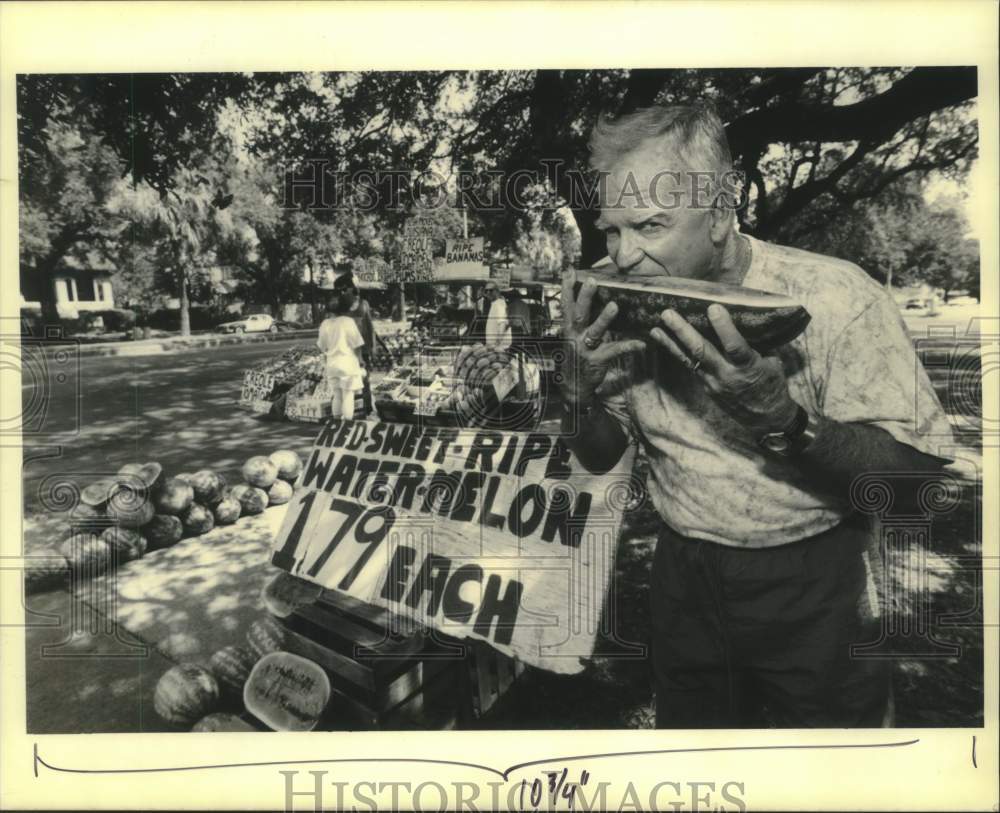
{"x": 841, "y": 452}
{"x": 593, "y": 435}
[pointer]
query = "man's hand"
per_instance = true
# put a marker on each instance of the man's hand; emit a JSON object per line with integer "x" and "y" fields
{"x": 748, "y": 386}
{"x": 587, "y": 356}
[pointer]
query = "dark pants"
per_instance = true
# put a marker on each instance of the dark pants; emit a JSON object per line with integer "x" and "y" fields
{"x": 750, "y": 638}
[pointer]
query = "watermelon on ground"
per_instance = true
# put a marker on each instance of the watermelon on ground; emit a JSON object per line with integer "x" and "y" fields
{"x": 265, "y": 635}
{"x": 198, "y": 520}
{"x": 152, "y": 476}
{"x": 289, "y": 464}
{"x": 280, "y": 492}
{"x": 208, "y": 486}
{"x": 175, "y": 497}
{"x": 185, "y": 693}
{"x": 252, "y": 500}
{"x": 125, "y": 544}
{"x": 163, "y": 530}
{"x": 44, "y": 570}
{"x": 259, "y": 471}
{"x": 87, "y": 554}
{"x": 130, "y": 507}
{"x": 231, "y": 666}
{"x": 227, "y": 511}
{"x": 221, "y": 721}
{"x": 96, "y": 495}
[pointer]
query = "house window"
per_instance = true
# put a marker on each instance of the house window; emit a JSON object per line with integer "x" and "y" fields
{"x": 99, "y": 289}
{"x": 70, "y": 292}
{"x": 85, "y": 291}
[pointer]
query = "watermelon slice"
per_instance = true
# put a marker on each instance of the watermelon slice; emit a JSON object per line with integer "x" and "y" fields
{"x": 766, "y": 320}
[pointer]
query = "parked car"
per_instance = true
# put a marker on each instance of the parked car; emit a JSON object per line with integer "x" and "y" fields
{"x": 254, "y": 323}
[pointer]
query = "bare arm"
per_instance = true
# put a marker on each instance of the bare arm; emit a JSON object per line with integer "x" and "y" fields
{"x": 753, "y": 389}
{"x": 841, "y": 452}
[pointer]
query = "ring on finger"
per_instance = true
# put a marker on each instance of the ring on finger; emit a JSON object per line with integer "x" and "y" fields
{"x": 694, "y": 365}
{"x": 590, "y": 341}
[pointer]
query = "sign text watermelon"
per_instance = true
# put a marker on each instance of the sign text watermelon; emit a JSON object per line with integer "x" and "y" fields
{"x": 493, "y": 535}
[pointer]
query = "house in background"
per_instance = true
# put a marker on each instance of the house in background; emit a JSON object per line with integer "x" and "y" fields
{"x": 78, "y": 286}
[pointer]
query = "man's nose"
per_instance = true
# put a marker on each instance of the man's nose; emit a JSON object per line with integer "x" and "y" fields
{"x": 628, "y": 254}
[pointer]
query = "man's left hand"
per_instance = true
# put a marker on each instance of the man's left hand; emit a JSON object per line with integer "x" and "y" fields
{"x": 750, "y": 387}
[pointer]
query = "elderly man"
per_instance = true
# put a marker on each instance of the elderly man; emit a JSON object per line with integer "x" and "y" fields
{"x": 762, "y": 577}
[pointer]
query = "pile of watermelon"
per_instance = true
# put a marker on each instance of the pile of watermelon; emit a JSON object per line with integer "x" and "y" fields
{"x": 232, "y": 690}
{"x": 121, "y": 518}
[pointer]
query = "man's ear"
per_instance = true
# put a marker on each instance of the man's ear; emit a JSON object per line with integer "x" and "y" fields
{"x": 721, "y": 218}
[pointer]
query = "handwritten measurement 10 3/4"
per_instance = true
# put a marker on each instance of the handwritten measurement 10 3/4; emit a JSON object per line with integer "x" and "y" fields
{"x": 532, "y": 793}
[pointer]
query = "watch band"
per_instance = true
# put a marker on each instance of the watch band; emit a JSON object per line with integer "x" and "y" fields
{"x": 794, "y": 440}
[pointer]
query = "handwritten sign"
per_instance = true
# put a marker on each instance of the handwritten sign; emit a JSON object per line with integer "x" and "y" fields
{"x": 463, "y": 259}
{"x": 498, "y": 536}
{"x": 287, "y": 692}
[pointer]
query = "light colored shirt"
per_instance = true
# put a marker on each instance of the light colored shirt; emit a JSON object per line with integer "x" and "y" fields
{"x": 854, "y": 363}
{"x": 497, "y": 326}
{"x": 339, "y": 338}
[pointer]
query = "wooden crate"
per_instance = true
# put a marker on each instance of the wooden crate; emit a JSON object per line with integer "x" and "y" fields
{"x": 386, "y": 678}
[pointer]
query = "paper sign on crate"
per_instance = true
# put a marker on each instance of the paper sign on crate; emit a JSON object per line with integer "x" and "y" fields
{"x": 498, "y": 536}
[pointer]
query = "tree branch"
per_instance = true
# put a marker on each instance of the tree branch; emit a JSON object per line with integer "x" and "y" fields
{"x": 920, "y": 92}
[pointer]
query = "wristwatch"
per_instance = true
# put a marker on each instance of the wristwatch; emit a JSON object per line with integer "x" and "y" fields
{"x": 794, "y": 440}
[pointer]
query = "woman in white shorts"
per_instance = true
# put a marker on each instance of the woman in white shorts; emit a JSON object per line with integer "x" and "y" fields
{"x": 341, "y": 341}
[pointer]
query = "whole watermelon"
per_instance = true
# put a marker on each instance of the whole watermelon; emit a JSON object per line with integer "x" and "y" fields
{"x": 265, "y": 636}
{"x": 260, "y": 471}
{"x": 252, "y": 500}
{"x": 208, "y": 486}
{"x": 198, "y": 520}
{"x": 231, "y": 666}
{"x": 163, "y": 530}
{"x": 125, "y": 544}
{"x": 185, "y": 693}
{"x": 221, "y": 721}
{"x": 45, "y": 569}
{"x": 85, "y": 514}
{"x": 96, "y": 495}
{"x": 227, "y": 511}
{"x": 175, "y": 497}
{"x": 129, "y": 471}
{"x": 279, "y": 493}
{"x": 130, "y": 507}
{"x": 87, "y": 554}
{"x": 152, "y": 475}
{"x": 289, "y": 464}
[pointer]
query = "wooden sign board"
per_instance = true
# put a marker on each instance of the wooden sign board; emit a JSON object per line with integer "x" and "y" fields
{"x": 463, "y": 259}
{"x": 502, "y": 537}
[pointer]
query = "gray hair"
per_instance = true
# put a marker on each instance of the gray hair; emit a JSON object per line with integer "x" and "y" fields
{"x": 695, "y": 133}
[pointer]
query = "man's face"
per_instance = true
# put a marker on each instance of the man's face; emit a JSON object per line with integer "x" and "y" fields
{"x": 491, "y": 293}
{"x": 650, "y": 219}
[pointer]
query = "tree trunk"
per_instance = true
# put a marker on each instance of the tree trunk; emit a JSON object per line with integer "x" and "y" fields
{"x": 312, "y": 296}
{"x": 185, "y": 306}
{"x": 888, "y": 279}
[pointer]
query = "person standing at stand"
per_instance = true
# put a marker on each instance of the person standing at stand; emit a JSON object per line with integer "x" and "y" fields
{"x": 361, "y": 313}
{"x": 341, "y": 342}
{"x": 497, "y": 323}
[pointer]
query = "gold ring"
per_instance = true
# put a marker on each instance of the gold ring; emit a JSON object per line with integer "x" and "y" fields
{"x": 590, "y": 341}
{"x": 696, "y": 365}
